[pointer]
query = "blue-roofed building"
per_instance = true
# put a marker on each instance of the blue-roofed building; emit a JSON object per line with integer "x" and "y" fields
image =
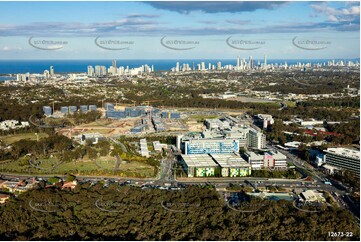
{"x": 134, "y": 113}
{"x": 175, "y": 115}
{"x": 141, "y": 110}
{"x": 64, "y": 109}
{"x": 47, "y": 110}
{"x": 115, "y": 114}
{"x": 92, "y": 107}
{"x": 158, "y": 124}
{"x": 109, "y": 106}
{"x": 83, "y": 108}
{"x": 137, "y": 129}
{"x": 155, "y": 111}
{"x": 127, "y": 111}
{"x": 165, "y": 114}
{"x": 72, "y": 109}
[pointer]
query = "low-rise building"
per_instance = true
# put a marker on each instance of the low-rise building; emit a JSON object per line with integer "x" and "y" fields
{"x": 159, "y": 146}
{"x": 312, "y": 196}
{"x": 70, "y": 185}
{"x": 198, "y": 165}
{"x": 4, "y": 198}
{"x": 232, "y": 165}
{"x": 143, "y": 148}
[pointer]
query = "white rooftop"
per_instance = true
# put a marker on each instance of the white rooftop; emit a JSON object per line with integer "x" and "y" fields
{"x": 199, "y": 160}
{"x": 254, "y": 156}
{"x": 277, "y": 155}
{"x": 229, "y": 160}
{"x": 354, "y": 154}
{"x": 312, "y": 196}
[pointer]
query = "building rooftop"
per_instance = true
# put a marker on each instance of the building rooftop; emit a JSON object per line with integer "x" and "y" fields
{"x": 254, "y": 156}
{"x": 354, "y": 154}
{"x": 276, "y": 155}
{"x": 199, "y": 160}
{"x": 229, "y": 160}
{"x": 312, "y": 196}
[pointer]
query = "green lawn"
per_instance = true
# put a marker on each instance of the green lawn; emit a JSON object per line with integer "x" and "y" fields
{"x": 85, "y": 167}
{"x": 291, "y": 104}
{"x": 10, "y": 139}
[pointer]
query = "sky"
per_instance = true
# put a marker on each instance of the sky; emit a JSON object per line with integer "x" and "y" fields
{"x": 179, "y": 30}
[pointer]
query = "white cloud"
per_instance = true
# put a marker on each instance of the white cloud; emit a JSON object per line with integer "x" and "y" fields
{"x": 350, "y": 13}
{"x": 9, "y": 48}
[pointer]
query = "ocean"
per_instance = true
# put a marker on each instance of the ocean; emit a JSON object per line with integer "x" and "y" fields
{"x": 66, "y": 66}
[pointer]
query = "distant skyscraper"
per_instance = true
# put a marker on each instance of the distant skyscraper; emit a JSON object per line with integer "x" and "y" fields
{"x": 114, "y": 64}
{"x": 250, "y": 64}
{"x": 219, "y": 65}
{"x": 265, "y": 62}
{"x": 238, "y": 61}
{"x": 177, "y": 67}
{"x": 90, "y": 71}
{"x": 203, "y": 66}
{"x": 103, "y": 71}
{"x": 97, "y": 70}
{"x": 46, "y": 74}
{"x": 51, "y": 71}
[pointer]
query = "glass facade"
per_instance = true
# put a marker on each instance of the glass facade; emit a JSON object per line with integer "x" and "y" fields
{"x": 47, "y": 110}
{"x": 343, "y": 162}
{"x": 115, "y": 114}
{"x": 84, "y": 108}
{"x": 92, "y": 107}
{"x": 72, "y": 109}
{"x": 64, "y": 109}
{"x": 212, "y": 147}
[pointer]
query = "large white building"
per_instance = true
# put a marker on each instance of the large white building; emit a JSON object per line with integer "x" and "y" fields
{"x": 345, "y": 159}
{"x": 143, "y": 148}
{"x": 211, "y": 146}
{"x": 224, "y": 130}
{"x": 269, "y": 159}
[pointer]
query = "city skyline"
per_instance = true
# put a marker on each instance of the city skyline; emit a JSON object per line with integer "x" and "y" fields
{"x": 144, "y": 30}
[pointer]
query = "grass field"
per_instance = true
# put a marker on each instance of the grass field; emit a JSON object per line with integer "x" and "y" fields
{"x": 291, "y": 104}
{"x": 10, "y": 139}
{"x": 85, "y": 167}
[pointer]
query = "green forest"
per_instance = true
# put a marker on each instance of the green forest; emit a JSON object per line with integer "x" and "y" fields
{"x": 92, "y": 212}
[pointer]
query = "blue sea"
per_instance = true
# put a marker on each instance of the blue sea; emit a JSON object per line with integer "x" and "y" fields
{"x": 66, "y": 66}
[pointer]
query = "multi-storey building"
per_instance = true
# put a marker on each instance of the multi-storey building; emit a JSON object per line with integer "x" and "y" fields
{"x": 47, "y": 110}
{"x": 345, "y": 159}
{"x": 64, "y": 109}
{"x": 211, "y": 146}
{"x": 256, "y": 140}
{"x": 268, "y": 159}
{"x": 83, "y": 108}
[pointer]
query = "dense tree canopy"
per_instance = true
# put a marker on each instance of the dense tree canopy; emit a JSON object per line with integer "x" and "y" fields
{"x": 126, "y": 213}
